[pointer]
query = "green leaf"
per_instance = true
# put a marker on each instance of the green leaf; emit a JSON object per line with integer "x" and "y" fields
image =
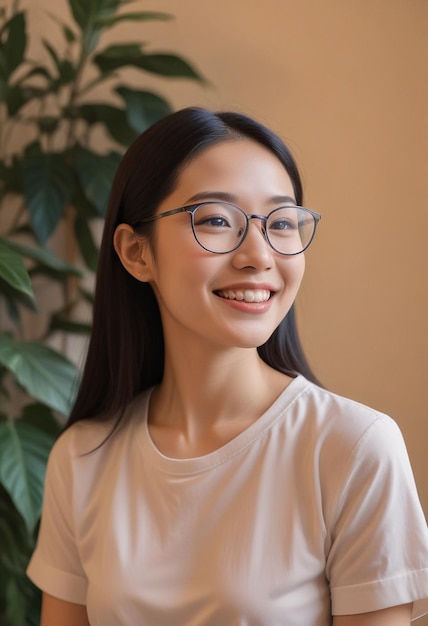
{"x": 83, "y": 206}
{"x": 13, "y": 298}
{"x": 16, "y": 608}
{"x": 15, "y": 540}
{"x": 48, "y": 186}
{"x": 61, "y": 323}
{"x": 43, "y": 256}
{"x": 48, "y": 124}
{"x": 52, "y": 53}
{"x": 15, "y": 97}
{"x": 168, "y": 65}
{"x": 66, "y": 70}
{"x": 24, "y": 452}
{"x": 88, "y": 296}
{"x": 69, "y": 34}
{"x": 13, "y": 270}
{"x": 133, "y": 17}
{"x": 86, "y": 243}
{"x": 13, "y": 45}
{"x": 45, "y": 374}
{"x": 40, "y": 416}
{"x": 11, "y": 175}
{"x": 37, "y": 70}
{"x": 112, "y": 117}
{"x": 85, "y": 12}
{"x": 143, "y": 108}
{"x": 96, "y": 173}
{"x": 117, "y": 56}
{"x": 10, "y": 303}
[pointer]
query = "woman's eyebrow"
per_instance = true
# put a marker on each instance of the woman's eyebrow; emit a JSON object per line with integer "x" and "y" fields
{"x": 213, "y": 195}
{"x": 230, "y": 197}
{"x": 282, "y": 199}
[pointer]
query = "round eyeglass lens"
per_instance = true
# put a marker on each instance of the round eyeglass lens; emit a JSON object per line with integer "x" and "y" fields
{"x": 219, "y": 227}
{"x": 290, "y": 229}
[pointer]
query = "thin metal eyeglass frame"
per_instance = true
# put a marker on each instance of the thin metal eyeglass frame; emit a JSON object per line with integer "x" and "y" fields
{"x": 192, "y": 208}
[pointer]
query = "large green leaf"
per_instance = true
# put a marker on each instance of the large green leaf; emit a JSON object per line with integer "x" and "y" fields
{"x": 96, "y": 173}
{"x": 170, "y": 65}
{"x": 15, "y": 540}
{"x": 86, "y": 13}
{"x": 143, "y": 108}
{"x": 41, "y": 416}
{"x": 117, "y": 56}
{"x": 24, "y": 452}
{"x": 133, "y": 17}
{"x": 18, "y": 595}
{"x": 13, "y": 45}
{"x": 45, "y": 374}
{"x": 43, "y": 256}
{"x": 13, "y": 271}
{"x": 112, "y": 117}
{"x": 48, "y": 186}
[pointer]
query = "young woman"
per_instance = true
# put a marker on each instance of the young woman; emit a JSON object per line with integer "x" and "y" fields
{"x": 205, "y": 479}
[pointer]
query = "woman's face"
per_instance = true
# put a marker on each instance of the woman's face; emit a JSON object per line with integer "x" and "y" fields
{"x": 234, "y": 299}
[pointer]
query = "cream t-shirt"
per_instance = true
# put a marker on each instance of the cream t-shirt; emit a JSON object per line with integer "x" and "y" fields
{"x": 311, "y": 511}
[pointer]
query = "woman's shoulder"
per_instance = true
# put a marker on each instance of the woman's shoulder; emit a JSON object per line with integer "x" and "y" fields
{"x": 342, "y": 420}
{"x": 92, "y": 435}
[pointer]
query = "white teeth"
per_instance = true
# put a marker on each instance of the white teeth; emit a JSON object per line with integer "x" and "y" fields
{"x": 248, "y": 295}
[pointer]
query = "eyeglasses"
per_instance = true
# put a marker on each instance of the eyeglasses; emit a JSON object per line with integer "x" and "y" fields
{"x": 221, "y": 227}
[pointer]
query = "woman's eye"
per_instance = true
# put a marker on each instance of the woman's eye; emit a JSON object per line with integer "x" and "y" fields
{"x": 282, "y": 225}
{"x": 216, "y": 221}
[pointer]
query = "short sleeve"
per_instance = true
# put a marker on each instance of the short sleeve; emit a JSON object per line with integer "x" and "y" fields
{"x": 55, "y": 566}
{"x": 379, "y": 541}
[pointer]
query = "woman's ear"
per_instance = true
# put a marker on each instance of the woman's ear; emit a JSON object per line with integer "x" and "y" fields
{"x": 134, "y": 252}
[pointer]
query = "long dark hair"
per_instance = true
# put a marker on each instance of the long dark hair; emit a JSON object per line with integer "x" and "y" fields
{"x": 126, "y": 349}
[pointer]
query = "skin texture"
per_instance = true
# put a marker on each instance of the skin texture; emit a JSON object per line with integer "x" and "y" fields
{"x": 55, "y": 611}
{"x": 195, "y": 409}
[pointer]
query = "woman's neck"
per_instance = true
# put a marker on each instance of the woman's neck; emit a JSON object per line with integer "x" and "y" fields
{"x": 205, "y": 400}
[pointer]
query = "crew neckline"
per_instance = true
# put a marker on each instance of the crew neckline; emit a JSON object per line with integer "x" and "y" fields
{"x": 199, "y": 464}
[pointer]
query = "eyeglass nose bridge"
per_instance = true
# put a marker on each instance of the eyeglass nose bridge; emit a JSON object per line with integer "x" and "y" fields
{"x": 254, "y": 216}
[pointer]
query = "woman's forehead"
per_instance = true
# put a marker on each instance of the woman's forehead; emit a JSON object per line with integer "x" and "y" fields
{"x": 235, "y": 167}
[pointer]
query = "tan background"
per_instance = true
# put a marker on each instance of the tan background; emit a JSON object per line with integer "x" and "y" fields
{"x": 345, "y": 82}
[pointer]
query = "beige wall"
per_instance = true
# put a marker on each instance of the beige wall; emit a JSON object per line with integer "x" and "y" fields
{"x": 346, "y": 83}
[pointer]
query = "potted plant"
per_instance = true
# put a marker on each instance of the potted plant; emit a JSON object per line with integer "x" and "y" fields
{"x": 55, "y": 176}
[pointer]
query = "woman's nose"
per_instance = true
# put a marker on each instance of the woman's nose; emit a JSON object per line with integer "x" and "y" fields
{"x": 255, "y": 250}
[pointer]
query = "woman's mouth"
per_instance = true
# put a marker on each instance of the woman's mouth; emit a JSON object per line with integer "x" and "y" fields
{"x": 245, "y": 295}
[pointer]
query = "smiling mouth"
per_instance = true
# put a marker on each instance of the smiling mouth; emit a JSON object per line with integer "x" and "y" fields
{"x": 245, "y": 295}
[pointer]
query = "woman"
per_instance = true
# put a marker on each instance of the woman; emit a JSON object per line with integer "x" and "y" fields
{"x": 204, "y": 478}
